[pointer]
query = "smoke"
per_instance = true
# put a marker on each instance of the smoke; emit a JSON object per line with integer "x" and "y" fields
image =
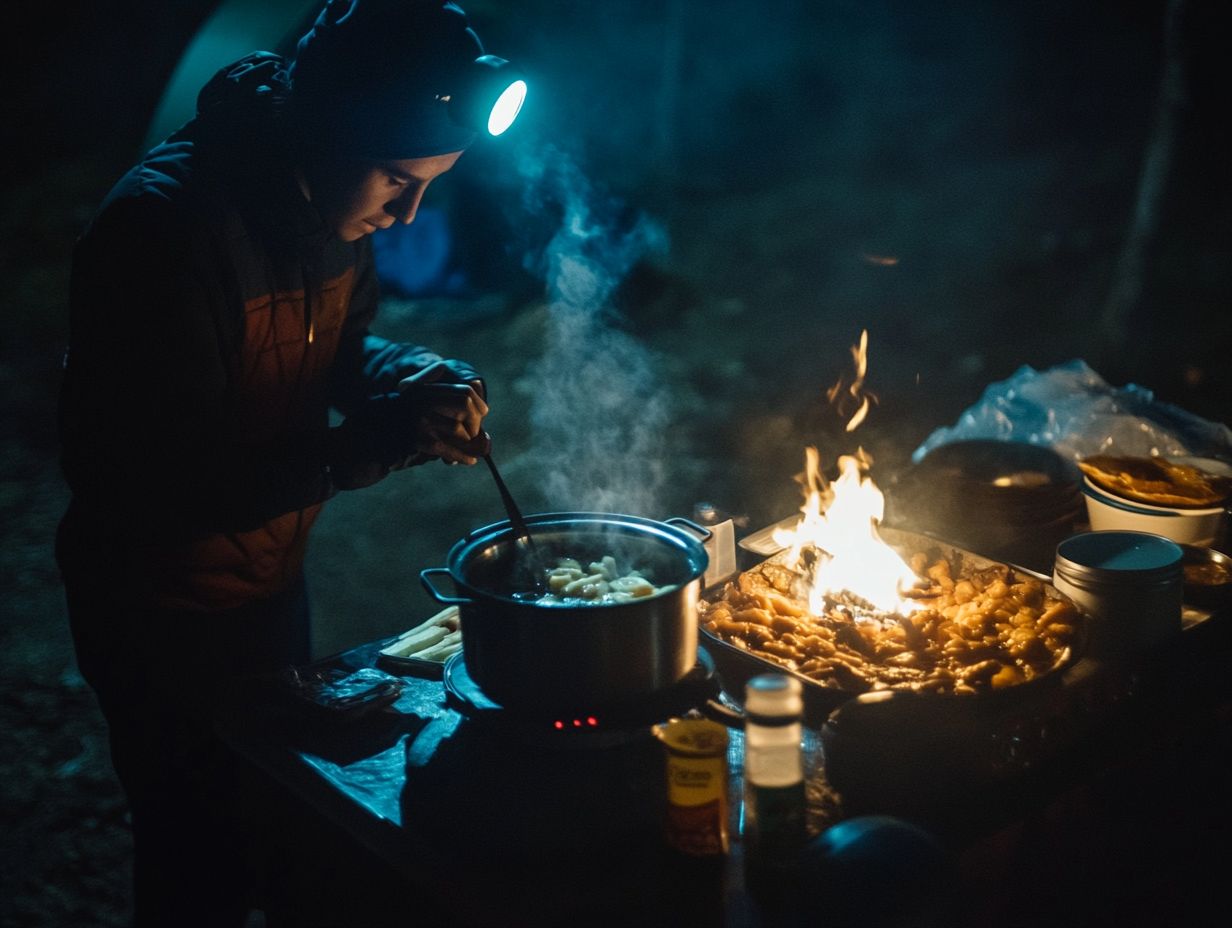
{"x": 599, "y": 409}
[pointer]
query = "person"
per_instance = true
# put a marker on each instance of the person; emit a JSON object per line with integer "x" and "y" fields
{"x": 221, "y": 303}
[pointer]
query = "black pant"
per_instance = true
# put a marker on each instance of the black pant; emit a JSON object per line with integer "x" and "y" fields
{"x": 153, "y": 671}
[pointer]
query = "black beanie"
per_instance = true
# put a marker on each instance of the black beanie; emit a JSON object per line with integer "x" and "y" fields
{"x": 367, "y": 78}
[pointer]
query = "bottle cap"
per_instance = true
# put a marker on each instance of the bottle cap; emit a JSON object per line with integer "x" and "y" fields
{"x": 773, "y": 698}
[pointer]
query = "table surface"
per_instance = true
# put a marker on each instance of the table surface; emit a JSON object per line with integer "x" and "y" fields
{"x": 495, "y": 833}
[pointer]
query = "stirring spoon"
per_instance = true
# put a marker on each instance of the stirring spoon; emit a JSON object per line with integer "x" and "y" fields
{"x": 520, "y": 530}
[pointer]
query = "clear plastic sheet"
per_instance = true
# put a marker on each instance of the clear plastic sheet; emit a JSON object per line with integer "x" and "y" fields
{"x": 1074, "y": 411}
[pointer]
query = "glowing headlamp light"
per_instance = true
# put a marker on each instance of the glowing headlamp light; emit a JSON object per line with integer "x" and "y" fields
{"x": 490, "y": 97}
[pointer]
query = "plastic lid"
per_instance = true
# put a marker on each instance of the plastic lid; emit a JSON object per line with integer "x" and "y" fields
{"x": 774, "y": 695}
{"x": 1119, "y": 556}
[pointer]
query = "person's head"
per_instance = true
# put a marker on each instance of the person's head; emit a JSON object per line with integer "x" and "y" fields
{"x": 355, "y": 197}
{"x": 373, "y": 106}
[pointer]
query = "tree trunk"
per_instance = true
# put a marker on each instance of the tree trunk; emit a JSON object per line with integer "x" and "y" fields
{"x": 1125, "y": 293}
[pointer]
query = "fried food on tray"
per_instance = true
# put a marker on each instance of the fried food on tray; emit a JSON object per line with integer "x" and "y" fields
{"x": 1156, "y": 481}
{"x": 986, "y": 629}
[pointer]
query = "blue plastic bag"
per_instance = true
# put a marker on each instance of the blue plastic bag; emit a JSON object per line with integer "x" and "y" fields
{"x": 1072, "y": 410}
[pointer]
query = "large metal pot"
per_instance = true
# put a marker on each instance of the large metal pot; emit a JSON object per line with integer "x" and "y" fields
{"x": 528, "y": 656}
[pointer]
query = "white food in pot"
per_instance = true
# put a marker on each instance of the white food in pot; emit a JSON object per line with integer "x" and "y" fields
{"x": 600, "y": 582}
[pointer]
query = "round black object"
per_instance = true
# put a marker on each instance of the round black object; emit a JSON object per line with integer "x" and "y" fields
{"x": 1008, "y": 500}
{"x": 875, "y": 870}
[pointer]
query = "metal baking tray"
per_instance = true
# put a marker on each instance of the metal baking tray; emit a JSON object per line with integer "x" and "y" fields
{"x": 736, "y": 666}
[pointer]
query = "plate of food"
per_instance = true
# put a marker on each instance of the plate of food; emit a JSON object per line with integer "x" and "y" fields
{"x": 1158, "y": 481}
{"x": 422, "y": 651}
{"x": 1182, "y": 499}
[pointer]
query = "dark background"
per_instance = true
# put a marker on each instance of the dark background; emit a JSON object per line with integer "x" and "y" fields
{"x": 778, "y": 151}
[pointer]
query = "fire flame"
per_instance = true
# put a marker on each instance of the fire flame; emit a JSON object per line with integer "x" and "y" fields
{"x": 838, "y": 396}
{"x": 838, "y": 525}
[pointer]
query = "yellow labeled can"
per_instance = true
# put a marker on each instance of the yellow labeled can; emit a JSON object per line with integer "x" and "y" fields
{"x": 696, "y": 753}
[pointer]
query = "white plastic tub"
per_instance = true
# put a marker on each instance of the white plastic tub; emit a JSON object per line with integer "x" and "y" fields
{"x": 1109, "y": 512}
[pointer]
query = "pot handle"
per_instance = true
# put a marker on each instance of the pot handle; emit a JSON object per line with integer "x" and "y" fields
{"x": 702, "y": 533}
{"x": 437, "y": 594}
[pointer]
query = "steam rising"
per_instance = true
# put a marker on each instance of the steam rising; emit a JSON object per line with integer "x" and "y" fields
{"x": 599, "y": 410}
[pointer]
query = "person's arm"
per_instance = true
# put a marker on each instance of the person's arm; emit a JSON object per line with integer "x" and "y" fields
{"x": 368, "y": 365}
{"x": 144, "y": 410}
{"x": 370, "y": 372}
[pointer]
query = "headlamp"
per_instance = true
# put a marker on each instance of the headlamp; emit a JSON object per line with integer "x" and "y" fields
{"x": 489, "y": 95}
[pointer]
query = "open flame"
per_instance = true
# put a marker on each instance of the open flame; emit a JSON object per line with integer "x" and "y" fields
{"x": 843, "y": 396}
{"x": 838, "y": 524}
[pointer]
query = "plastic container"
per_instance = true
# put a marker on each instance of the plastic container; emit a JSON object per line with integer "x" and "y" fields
{"x": 774, "y": 811}
{"x": 1128, "y": 583}
{"x": 1108, "y": 512}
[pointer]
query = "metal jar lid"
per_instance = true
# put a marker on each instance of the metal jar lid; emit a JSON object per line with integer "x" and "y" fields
{"x": 1120, "y": 558}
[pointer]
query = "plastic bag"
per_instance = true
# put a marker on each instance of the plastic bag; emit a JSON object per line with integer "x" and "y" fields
{"x": 338, "y": 692}
{"x": 1072, "y": 410}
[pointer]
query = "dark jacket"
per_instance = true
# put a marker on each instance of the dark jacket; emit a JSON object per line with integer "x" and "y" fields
{"x": 214, "y": 322}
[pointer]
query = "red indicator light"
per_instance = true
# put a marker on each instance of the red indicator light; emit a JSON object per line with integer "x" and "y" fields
{"x": 559, "y": 725}
{"x": 591, "y": 721}
{"x": 577, "y": 723}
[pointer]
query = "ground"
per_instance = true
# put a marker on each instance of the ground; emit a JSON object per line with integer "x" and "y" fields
{"x": 960, "y": 184}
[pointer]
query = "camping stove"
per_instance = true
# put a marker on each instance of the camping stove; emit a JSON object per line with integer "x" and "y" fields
{"x": 585, "y": 727}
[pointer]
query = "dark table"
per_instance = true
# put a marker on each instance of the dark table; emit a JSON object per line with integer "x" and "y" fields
{"x": 418, "y": 815}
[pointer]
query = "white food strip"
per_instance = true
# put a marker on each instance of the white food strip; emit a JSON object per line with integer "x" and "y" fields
{"x": 434, "y": 639}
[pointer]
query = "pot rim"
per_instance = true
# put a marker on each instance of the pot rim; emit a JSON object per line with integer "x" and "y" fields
{"x": 669, "y": 533}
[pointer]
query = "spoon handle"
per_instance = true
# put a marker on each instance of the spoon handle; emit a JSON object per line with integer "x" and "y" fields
{"x": 515, "y": 514}
{"x": 520, "y": 529}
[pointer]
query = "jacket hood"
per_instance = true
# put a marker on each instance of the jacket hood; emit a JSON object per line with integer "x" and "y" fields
{"x": 238, "y": 111}
{"x": 239, "y": 135}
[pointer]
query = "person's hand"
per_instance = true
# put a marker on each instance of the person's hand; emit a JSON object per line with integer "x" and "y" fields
{"x": 433, "y": 416}
{"x": 450, "y": 397}
{"x": 380, "y": 436}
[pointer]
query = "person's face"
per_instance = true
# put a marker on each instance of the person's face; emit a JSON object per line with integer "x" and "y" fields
{"x": 357, "y": 198}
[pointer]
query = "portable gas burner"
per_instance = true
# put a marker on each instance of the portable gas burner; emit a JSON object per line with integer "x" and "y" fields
{"x": 582, "y": 727}
{"x": 551, "y": 782}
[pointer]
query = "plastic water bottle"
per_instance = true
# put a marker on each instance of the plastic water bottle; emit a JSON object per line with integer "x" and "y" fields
{"x": 774, "y": 805}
